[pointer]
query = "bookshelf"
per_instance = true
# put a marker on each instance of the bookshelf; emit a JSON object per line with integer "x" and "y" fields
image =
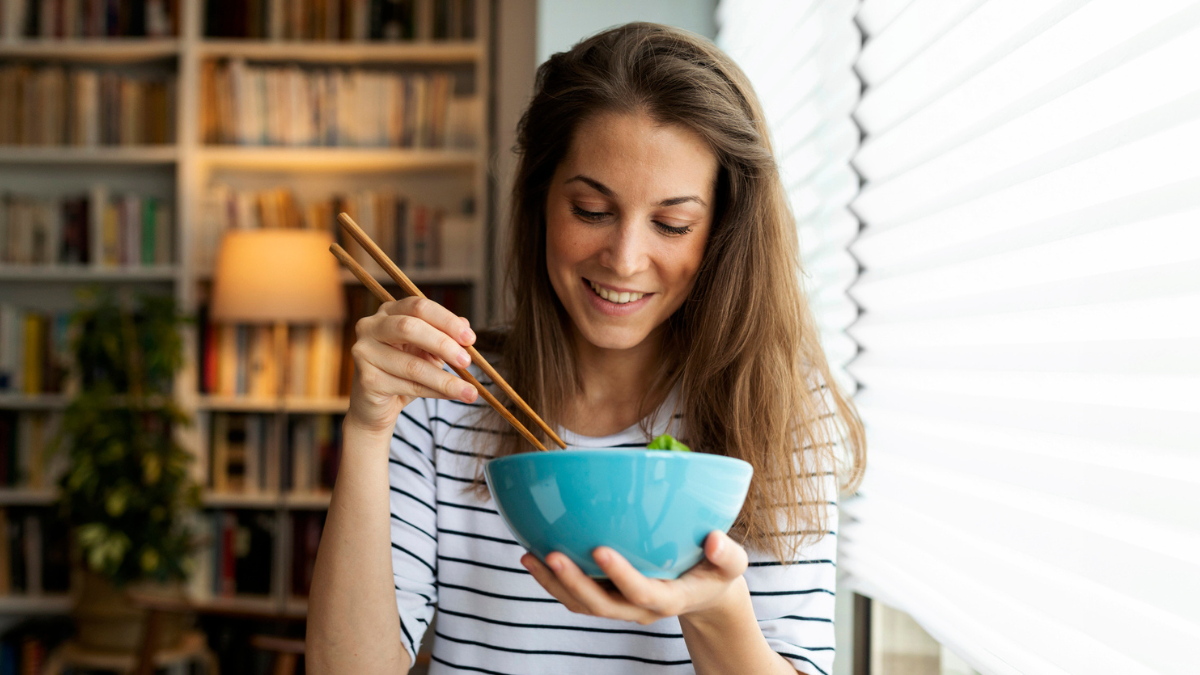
{"x": 181, "y": 175}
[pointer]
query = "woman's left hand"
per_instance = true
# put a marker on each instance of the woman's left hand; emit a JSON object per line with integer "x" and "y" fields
{"x": 707, "y": 586}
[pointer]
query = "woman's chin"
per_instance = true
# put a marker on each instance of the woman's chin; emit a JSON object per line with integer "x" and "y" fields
{"x": 612, "y": 337}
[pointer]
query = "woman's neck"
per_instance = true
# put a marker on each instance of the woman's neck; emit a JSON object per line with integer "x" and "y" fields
{"x": 613, "y": 384}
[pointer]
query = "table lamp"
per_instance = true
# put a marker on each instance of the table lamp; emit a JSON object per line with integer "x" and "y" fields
{"x": 277, "y": 276}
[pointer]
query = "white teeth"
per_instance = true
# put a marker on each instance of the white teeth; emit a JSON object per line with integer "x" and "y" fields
{"x": 615, "y": 297}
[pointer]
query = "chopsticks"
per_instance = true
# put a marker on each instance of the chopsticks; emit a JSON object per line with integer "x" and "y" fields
{"x": 411, "y": 289}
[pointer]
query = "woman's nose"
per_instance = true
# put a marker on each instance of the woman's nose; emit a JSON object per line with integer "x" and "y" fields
{"x": 626, "y": 252}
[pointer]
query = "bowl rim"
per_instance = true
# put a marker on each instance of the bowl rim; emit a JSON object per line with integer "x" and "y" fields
{"x": 619, "y": 453}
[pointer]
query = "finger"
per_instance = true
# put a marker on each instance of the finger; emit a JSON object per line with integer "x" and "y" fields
{"x": 405, "y": 366}
{"x": 646, "y": 593}
{"x": 376, "y": 382}
{"x": 597, "y": 600}
{"x": 435, "y": 315}
{"x": 545, "y": 576}
{"x": 725, "y": 554}
{"x": 409, "y": 332}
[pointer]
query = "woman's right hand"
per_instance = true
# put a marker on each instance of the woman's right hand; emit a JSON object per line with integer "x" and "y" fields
{"x": 398, "y": 357}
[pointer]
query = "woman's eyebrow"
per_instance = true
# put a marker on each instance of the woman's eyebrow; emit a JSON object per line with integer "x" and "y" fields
{"x": 607, "y": 192}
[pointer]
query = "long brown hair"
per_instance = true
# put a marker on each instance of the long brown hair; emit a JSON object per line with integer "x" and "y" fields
{"x": 743, "y": 348}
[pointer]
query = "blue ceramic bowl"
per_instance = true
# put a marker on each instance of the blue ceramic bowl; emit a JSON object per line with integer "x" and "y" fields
{"x": 653, "y": 507}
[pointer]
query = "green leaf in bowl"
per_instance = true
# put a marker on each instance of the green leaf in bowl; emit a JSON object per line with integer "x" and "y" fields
{"x": 667, "y": 442}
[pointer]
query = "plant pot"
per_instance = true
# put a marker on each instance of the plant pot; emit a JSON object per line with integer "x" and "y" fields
{"x": 107, "y": 620}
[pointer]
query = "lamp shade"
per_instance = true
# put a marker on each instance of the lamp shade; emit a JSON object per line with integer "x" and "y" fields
{"x": 277, "y": 275}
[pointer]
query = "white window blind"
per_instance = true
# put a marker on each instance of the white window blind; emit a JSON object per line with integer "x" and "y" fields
{"x": 1031, "y": 318}
{"x": 800, "y": 57}
{"x": 1031, "y": 330}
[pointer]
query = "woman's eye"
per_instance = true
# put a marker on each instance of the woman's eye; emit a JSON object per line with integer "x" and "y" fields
{"x": 672, "y": 230}
{"x": 593, "y": 216}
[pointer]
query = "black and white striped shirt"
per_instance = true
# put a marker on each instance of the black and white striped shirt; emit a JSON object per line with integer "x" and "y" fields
{"x": 452, "y": 552}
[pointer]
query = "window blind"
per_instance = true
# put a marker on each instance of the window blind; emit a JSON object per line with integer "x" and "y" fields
{"x": 1031, "y": 330}
{"x": 1030, "y": 298}
{"x": 800, "y": 58}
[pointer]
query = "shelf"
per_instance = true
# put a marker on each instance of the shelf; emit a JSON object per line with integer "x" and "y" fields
{"x": 296, "y": 605}
{"x": 114, "y": 50}
{"x": 344, "y": 52}
{"x": 13, "y": 401}
{"x": 306, "y": 501}
{"x": 271, "y": 405}
{"x": 22, "y": 496}
{"x": 252, "y": 605}
{"x": 257, "y": 500}
{"x": 87, "y": 273}
{"x": 335, "y": 159}
{"x": 56, "y": 603}
{"x": 420, "y": 276}
{"x": 103, "y": 154}
{"x": 298, "y": 501}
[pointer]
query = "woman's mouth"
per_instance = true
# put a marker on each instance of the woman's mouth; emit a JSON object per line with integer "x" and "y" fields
{"x": 613, "y": 302}
{"x": 615, "y": 297}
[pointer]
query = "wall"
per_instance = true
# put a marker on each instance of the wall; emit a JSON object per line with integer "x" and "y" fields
{"x": 561, "y": 23}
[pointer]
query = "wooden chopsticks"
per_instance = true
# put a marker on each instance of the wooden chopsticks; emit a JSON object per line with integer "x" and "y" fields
{"x": 411, "y": 289}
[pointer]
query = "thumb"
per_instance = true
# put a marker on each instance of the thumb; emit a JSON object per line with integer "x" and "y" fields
{"x": 726, "y": 554}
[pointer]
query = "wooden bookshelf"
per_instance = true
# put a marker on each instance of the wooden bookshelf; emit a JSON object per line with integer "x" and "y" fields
{"x": 109, "y": 50}
{"x": 182, "y": 172}
{"x": 312, "y": 51}
{"x": 335, "y": 159}
{"x": 102, "y": 155}
{"x": 89, "y": 273}
{"x": 27, "y": 496}
{"x": 11, "y": 401}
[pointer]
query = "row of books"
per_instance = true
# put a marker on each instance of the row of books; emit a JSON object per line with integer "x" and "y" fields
{"x": 242, "y": 553}
{"x": 246, "y": 459}
{"x": 294, "y": 106}
{"x": 33, "y": 552}
{"x": 240, "y": 559}
{"x": 357, "y": 20}
{"x": 414, "y": 235}
{"x": 240, "y": 360}
{"x": 34, "y": 350}
{"x": 88, "y": 18}
{"x": 99, "y": 228}
{"x": 27, "y": 459}
{"x": 55, "y": 106}
{"x": 25, "y": 647}
{"x": 306, "y": 537}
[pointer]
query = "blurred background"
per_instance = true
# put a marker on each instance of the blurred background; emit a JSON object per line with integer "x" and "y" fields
{"x": 999, "y": 209}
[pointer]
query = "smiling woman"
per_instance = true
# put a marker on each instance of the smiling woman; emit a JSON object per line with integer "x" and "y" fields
{"x": 654, "y": 276}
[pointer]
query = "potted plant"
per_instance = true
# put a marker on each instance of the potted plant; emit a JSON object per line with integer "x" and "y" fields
{"x": 127, "y": 485}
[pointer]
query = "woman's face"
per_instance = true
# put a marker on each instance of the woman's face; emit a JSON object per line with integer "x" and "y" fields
{"x": 627, "y": 219}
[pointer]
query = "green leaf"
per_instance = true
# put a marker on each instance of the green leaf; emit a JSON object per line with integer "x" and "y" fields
{"x": 667, "y": 442}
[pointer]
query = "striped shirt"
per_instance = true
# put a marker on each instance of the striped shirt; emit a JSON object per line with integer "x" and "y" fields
{"x": 452, "y": 552}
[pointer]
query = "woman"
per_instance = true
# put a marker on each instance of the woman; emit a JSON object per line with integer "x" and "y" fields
{"x": 655, "y": 276}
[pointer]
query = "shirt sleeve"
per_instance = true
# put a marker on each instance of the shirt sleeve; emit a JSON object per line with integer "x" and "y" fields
{"x": 411, "y": 475}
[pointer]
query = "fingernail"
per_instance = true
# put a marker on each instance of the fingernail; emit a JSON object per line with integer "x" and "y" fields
{"x": 468, "y": 335}
{"x": 526, "y": 564}
{"x": 467, "y": 393}
{"x": 603, "y": 556}
{"x": 555, "y": 564}
{"x": 464, "y": 359}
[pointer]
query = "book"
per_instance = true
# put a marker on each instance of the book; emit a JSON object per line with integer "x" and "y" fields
{"x": 61, "y": 19}
{"x": 322, "y": 20}
{"x": 253, "y": 104}
{"x": 306, "y": 538}
{"x": 49, "y": 105}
